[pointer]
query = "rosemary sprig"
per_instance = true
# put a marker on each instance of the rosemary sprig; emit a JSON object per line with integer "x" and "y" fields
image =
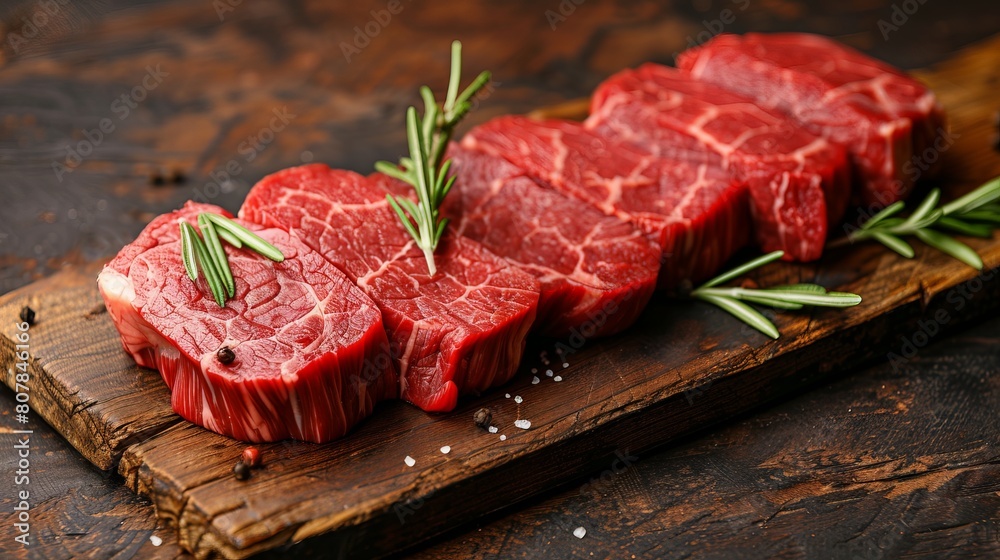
{"x": 975, "y": 214}
{"x": 208, "y": 255}
{"x": 791, "y": 297}
{"x": 425, "y": 169}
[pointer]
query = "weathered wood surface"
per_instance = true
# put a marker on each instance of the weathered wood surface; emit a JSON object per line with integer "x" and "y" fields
{"x": 81, "y": 381}
{"x": 831, "y": 474}
{"x": 262, "y": 57}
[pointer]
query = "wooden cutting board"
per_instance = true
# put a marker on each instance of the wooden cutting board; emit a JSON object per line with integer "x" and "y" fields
{"x": 682, "y": 367}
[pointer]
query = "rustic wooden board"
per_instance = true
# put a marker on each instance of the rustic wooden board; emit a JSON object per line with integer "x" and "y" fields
{"x": 683, "y": 366}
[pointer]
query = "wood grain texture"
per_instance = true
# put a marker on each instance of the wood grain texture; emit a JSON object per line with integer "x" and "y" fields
{"x": 81, "y": 381}
{"x": 831, "y": 474}
{"x": 276, "y": 54}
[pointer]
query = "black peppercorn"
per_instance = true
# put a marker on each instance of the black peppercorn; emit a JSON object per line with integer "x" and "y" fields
{"x": 483, "y": 418}
{"x": 225, "y": 355}
{"x": 27, "y": 315}
{"x": 241, "y": 470}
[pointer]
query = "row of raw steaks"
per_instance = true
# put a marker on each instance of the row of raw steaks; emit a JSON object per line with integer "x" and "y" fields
{"x": 558, "y": 227}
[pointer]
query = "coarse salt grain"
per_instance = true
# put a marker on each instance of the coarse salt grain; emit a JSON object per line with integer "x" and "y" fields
{"x": 557, "y": 378}
{"x": 535, "y": 380}
{"x": 157, "y": 541}
{"x": 493, "y": 429}
{"x": 409, "y": 461}
{"x": 523, "y": 424}
{"x": 446, "y": 449}
{"x": 507, "y": 396}
{"x": 518, "y": 399}
{"x": 502, "y": 437}
{"x": 579, "y": 532}
{"x": 548, "y": 372}
{"x": 565, "y": 365}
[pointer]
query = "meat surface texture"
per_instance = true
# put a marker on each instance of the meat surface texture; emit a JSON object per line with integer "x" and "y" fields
{"x": 462, "y": 331}
{"x": 696, "y": 213}
{"x": 883, "y": 117}
{"x": 309, "y": 345}
{"x": 596, "y": 272}
{"x": 799, "y": 183}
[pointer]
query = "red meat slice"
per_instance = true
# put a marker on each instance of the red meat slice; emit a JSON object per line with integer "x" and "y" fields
{"x": 462, "y": 331}
{"x": 799, "y": 182}
{"x": 310, "y": 346}
{"x": 596, "y": 272}
{"x": 883, "y": 117}
{"x": 696, "y": 213}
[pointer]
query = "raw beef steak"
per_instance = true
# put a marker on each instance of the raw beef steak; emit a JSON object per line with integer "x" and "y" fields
{"x": 883, "y": 117}
{"x": 696, "y": 213}
{"x": 596, "y": 272}
{"x": 799, "y": 183}
{"x": 309, "y": 345}
{"x": 462, "y": 331}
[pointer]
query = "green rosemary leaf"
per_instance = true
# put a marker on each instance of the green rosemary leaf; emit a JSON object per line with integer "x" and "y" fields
{"x": 829, "y": 299}
{"x": 425, "y": 169}
{"x": 983, "y": 195}
{"x": 788, "y": 297}
{"x": 814, "y": 288}
{"x": 886, "y": 212}
{"x": 965, "y": 228}
{"x": 454, "y": 80}
{"x": 744, "y": 313}
{"x": 402, "y": 216}
{"x": 950, "y": 246}
{"x": 893, "y": 242}
{"x": 249, "y": 238}
{"x": 392, "y": 170}
{"x": 187, "y": 251}
{"x": 740, "y": 270}
{"x": 463, "y": 104}
{"x": 208, "y": 267}
{"x": 217, "y": 253}
{"x": 925, "y": 209}
{"x": 983, "y": 214}
{"x": 772, "y": 302}
{"x": 229, "y": 238}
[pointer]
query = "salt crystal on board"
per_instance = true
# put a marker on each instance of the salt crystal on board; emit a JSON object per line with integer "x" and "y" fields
{"x": 535, "y": 380}
{"x": 409, "y": 461}
{"x": 523, "y": 424}
{"x": 157, "y": 541}
{"x": 493, "y": 429}
{"x": 446, "y": 449}
{"x": 502, "y": 437}
{"x": 579, "y": 532}
{"x": 557, "y": 378}
{"x": 518, "y": 399}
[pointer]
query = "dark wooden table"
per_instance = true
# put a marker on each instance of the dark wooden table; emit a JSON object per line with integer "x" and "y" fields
{"x": 884, "y": 463}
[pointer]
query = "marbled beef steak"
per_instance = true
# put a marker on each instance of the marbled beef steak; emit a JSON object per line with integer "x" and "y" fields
{"x": 696, "y": 213}
{"x": 462, "y": 331}
{"x": 310, "y": 347}
{"x": 800, "y": 183}
{"x": 596, "y": 272}
{"x": 882, "y": 116}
